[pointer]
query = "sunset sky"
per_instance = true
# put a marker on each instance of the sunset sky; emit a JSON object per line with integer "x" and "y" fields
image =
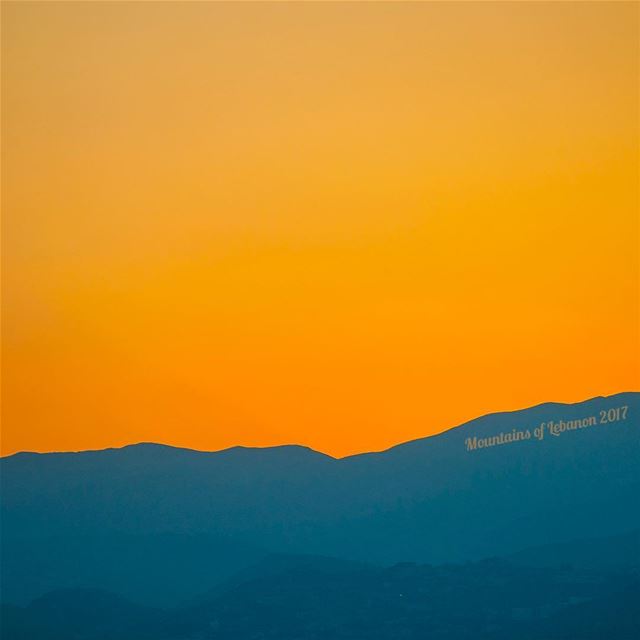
{"x": 343, "y": 225}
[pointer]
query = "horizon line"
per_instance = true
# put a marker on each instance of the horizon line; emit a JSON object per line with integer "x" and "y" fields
{"x": 303, "y": 446}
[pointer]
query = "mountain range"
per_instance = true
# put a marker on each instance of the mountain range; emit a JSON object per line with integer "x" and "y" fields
{"x": 315, "y": 598}
{"x": 161, "y": 526}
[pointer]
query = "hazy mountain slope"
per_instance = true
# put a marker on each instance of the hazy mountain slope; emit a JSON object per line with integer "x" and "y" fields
{"x": 429, "y": 500}
{"x": 89, "y": 614}
{"x": 489, "y": 599}
{"x": 296, "y": 598}
{"x": 163, "y": 569}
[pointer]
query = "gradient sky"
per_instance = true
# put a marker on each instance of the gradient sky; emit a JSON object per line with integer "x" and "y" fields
{"x": 339, "y": 225}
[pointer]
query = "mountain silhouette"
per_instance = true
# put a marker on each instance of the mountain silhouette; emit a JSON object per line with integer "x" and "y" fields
{"x": 162, "y": 525}
{"x": 80, "y": 613}
{"x": 313, "y": 598}
{"x": 490, "y": 599}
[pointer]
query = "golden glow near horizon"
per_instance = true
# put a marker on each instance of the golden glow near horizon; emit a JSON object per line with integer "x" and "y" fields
{"x": 338, "y": 225}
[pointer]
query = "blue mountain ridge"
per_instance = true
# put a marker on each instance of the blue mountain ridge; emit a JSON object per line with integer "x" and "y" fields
{"x": 126, "y": 519}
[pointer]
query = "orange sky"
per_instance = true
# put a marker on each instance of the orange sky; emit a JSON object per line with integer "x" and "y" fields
{"x": 339, "y": 225}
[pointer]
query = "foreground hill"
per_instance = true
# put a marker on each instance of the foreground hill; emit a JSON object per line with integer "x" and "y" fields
{"x": 161, "y": 525}
{"x": 313, "y": 598}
